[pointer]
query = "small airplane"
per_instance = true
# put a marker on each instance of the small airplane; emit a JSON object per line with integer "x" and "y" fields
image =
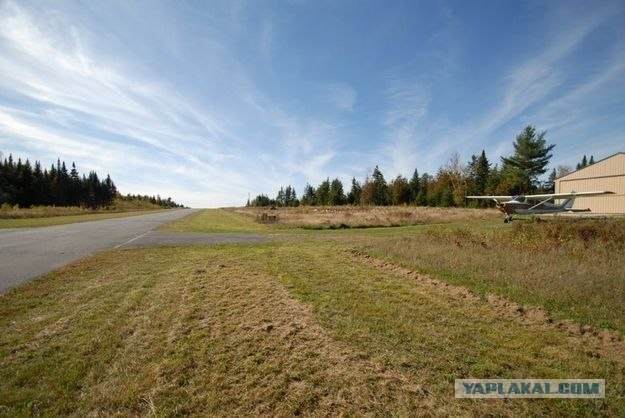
{"x": 537, "y": 204}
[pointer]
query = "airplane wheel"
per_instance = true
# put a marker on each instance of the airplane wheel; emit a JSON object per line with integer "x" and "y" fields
{"x": 505, "y": 220}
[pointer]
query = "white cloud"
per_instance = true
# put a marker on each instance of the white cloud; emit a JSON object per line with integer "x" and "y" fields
{"x": 48, "y": 64}
{"x": 404, "y": 119}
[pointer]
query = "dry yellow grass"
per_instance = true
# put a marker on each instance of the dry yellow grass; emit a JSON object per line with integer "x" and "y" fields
{"x": 335, "y": 217}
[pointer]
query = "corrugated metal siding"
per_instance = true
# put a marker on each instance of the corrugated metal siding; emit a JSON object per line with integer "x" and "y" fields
{"x": 608, "y": 174}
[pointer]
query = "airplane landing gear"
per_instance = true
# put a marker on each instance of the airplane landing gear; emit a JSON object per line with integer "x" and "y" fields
{"x": 507, "y": 219}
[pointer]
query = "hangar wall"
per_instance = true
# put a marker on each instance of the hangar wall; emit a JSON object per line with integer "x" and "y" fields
{"x": 607, "y": 174}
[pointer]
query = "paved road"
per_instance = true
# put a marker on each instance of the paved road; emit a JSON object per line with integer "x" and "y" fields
{"x": 26, "y": 253}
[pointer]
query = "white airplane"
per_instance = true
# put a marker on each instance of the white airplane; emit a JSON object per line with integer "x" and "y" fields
{"x": 536, "y": 204}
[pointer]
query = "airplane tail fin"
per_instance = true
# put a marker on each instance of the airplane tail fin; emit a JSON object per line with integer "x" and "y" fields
{"x": 568, "y": 203}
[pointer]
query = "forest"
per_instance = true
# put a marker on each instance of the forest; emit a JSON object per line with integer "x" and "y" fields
{"x": 519, "y": 173}
{"x": 26, "y": 185}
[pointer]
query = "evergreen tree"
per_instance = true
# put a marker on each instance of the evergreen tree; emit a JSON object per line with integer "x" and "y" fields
{"x": 290, "y": 197}
{"x": 281, "y": 198}
{"x": 322, "y": 195}
{"x": 482, "y": 171}
{"x": 414, "y": 187}
{"x": 336, "y": 195}
{"x": 592, "y": 160}
{"x": 530, "y": 159}
{"x": 353, "y": 197}
{"x": 23, "y": 185}
{"x": 381, "y": 195}
{"x": 110, "y": 191}
{"x": 74, "y": 187}
{"x": 308, "y": 198}
{"x": 261, "y": 200}
{"x": 39, "y": 185}
{"x": 424, "y": 185}
{"x": 478, "y": 172}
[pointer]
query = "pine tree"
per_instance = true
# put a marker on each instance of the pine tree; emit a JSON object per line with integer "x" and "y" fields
{"x": 424, "y": 185}
{"x": 110, "y": 192}
{"x": 322, "y": 195}
{"x": 482, "y": 171}
{"x": 592, "y": 160}
{"x": 74, "y": 188}
{"x": 478, "y": 172}
{"x": 353, "y": 197}
{"x": 414, "y": 186}
{"x": 290, "y": 197}
{"x": 530, "y": 159}
{"x": 281, "y": 198}
{"x": 336, "y": 195}
{"x": 381, "y": 195}
{"x": 308, "y": 198}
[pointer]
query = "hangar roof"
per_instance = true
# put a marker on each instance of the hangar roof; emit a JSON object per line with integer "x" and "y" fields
{"x": 595, "y": 167}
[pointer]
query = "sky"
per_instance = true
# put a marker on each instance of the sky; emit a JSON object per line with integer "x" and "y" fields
{"x": 212, "y": 101}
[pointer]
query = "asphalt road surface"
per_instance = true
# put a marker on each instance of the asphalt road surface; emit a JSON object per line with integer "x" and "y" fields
{"x": 26, "y": 253}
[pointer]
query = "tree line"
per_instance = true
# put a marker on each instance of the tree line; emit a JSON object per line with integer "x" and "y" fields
{"x": 26, "y": 185}
{"x": 513, "y": 175}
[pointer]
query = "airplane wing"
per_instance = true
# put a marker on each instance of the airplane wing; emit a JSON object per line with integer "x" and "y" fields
{"x": 491, "y": 197}
{"x": 564, "y": 195}
{"x": 542, "y": 196}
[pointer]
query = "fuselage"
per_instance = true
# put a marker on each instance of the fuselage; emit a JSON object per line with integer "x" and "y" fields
{"x": 528, "y": 208}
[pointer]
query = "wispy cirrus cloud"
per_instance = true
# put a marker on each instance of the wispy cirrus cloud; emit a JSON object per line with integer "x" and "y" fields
{"x": 212, "y": 102}
{"x": 404, "y": 119}
{"x": 533, "y": 81}
{"x": 49, "y": 66}
{"x": 533, "y": 90}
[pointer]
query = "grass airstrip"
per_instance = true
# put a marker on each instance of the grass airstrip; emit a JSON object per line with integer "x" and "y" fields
{"x": 345, "y": 320}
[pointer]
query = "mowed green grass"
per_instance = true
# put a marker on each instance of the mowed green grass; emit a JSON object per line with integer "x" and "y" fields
{"x": 68, "y": 219}
{"x": 215, "y": 220}
{"x": 298, "y": 326}
{"x": 275, "y": 329}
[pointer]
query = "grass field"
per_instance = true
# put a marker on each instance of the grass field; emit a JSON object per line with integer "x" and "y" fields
{"x": 342, "y": 217}
{"x": 31, "y": 222}
{"x": 353, "y": 322}
{"x": 215, "y": 220}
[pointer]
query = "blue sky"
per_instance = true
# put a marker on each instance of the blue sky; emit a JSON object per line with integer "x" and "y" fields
{"x": 208, "y": 101}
